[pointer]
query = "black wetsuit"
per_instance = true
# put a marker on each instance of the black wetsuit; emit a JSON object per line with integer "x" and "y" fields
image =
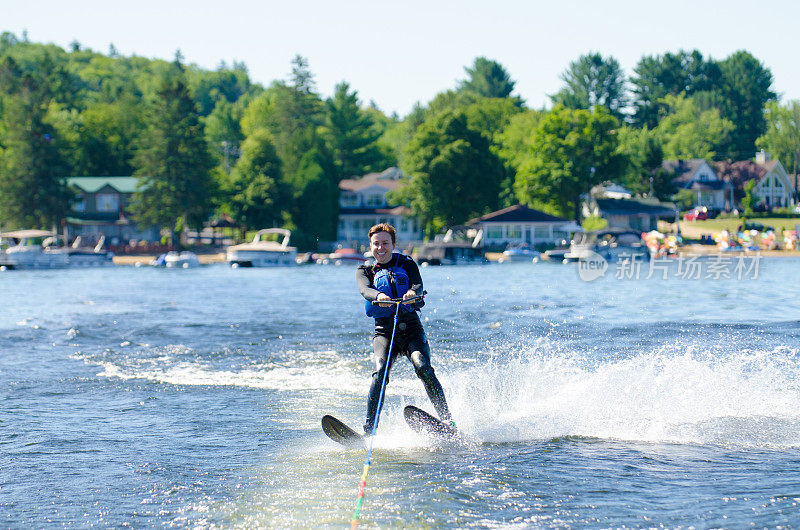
{"x": 409, "y": 340}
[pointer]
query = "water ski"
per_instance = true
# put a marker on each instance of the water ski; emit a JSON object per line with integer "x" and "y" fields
{"x": 427, "y": 425}
{"x": 341, "y": 433}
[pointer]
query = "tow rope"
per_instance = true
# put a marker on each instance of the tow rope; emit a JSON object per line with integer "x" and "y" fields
{"x": 362, "y": 485}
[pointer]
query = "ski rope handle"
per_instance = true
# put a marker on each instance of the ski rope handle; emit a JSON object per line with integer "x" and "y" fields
{"x": 362, "y": 485}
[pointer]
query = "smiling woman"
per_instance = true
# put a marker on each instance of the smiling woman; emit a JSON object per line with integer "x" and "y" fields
{"x": 395, "y": 277}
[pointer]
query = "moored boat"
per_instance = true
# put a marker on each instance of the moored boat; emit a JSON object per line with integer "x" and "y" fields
{"x": 262, "y": 252}
{"x": 460, "y": 245}
{"x": 344, "y": 256}
{"x": 33, "y": 249}
{"x": 80, "y": 255}
{"x": 177, "y": 260}
{"x": 520, "y": 253}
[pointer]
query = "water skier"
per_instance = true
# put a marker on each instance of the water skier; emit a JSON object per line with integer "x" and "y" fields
{"x": 396, "y": 276}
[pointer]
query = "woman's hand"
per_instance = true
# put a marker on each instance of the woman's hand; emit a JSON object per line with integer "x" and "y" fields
{"x": 409, "y": 294}
{"x": 383, "y": 297}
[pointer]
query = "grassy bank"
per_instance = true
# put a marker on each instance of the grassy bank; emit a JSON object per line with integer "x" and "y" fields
{"x": 710, "y": 226}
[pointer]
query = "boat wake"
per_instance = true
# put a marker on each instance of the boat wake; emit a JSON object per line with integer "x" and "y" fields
{"x": 177, "y": 365}
{"x": 675, "y": 394}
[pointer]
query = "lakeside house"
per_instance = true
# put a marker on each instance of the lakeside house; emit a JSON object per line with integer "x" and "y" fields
{"x": 100, "y": 210}
{"x": 700, "y": 177}
{"x": 363, "y": 203}
{"x": 520, "y": 224}
{"x": 617, "y": 205}
{"x": 774, "y": 187}
{"x": 721, "y": 185}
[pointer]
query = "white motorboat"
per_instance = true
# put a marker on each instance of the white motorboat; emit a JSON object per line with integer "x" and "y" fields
{"x": 344, "y": 256}
{"x": 520, "y": 253}
{"x": 87, "y": 256}
{"x": 33, "y": 249}
{"x": 460, "y": 245}
{"x": 181, "y": 260}
{"x": 611, "y": 244}
{"x": 263, "y": 252}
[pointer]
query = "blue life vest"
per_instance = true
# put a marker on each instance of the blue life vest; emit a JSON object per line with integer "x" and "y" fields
{"x": 394, "y": 283}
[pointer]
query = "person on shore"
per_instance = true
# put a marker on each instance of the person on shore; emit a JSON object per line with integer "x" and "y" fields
{"x": 394, "y": 276}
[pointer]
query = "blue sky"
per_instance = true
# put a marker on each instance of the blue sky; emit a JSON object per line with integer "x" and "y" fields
{"x": 397, "y": 53}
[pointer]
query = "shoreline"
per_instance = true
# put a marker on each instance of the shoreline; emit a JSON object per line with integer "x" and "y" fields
{"x": 687, "y": 250}
{"x": 145, "y": 259}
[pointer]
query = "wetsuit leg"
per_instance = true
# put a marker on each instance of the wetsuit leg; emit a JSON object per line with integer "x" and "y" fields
{"x": 420, "y": 355}
{"x": 383, "y": 362}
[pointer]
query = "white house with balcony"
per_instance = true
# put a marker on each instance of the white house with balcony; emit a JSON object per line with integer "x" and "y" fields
{"x": 363, "y": 204}
{"x": 521, "y": 225}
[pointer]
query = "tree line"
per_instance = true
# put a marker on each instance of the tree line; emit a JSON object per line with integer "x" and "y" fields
{"x": 206, "y": 142}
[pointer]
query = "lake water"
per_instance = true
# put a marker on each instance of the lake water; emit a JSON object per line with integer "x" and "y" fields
{"x": 192, "y": 398}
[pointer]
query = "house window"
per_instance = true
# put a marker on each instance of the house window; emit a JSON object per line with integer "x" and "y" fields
{"x": 404, "y": 225}
{"x": 107, "y": 202}
{"x": 80, "y": 203}
{"x": 375, "y": 200}
{"x": 494, "y": 232}
{"x": 541, "y": 232}
{"x": 349, "y": 200}
{"x": 514, "y": 232}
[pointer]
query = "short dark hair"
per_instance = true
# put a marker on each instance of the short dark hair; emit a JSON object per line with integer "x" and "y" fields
{"x": 383, "y": 227}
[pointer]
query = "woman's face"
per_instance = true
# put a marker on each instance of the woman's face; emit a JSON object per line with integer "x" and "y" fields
{"x": 381, "y": 246}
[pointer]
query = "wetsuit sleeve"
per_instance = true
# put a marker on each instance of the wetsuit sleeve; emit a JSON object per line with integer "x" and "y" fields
{"x": 364, "y": 281}
{"x": 414, "y": 277}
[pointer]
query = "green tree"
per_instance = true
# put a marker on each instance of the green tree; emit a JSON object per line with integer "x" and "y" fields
{"x": 352, "y": 135}
{"x": 397, "y": 135}
{"x": 572, "y": 150}
{"x": 455, "y": 175}
{"x": 746, "y": 88}
{"x": 515, "y": 139}
{"x": 287, "y": 110}
{"x": 101, "y": 137}
{"x": 449, "y": 100}
{"x": 259, "y": 195}
{"x": 488, "y": 78}
{"x": 655, "y": 77}
{"x": 643, "y": 172}
{"x": 32, "y": 166}
{"x": 782, "y": 138}
{"x": 315, "y": 208}
{"x": 225, "y": 83}
{"x": 490, "y": 116}
{"x": 591, "y": 81}
{"x": 690, "y": 132}
{"x": 223, "y": 132}
{"x": 172, "y": 161}
{"x": 748, "y": 201}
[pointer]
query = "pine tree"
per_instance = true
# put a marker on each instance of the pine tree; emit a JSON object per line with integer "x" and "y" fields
{"x": 32, "y": 167}
{"x": 351, "y": 135}
{"x": 488, "y": 78}
{"x": 259, "y": 194}
{"x": 592, "y": 81}
{"x": 172, "y": 160}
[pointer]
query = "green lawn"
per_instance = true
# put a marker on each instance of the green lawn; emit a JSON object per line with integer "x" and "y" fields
{"x": 717, "y": 225}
